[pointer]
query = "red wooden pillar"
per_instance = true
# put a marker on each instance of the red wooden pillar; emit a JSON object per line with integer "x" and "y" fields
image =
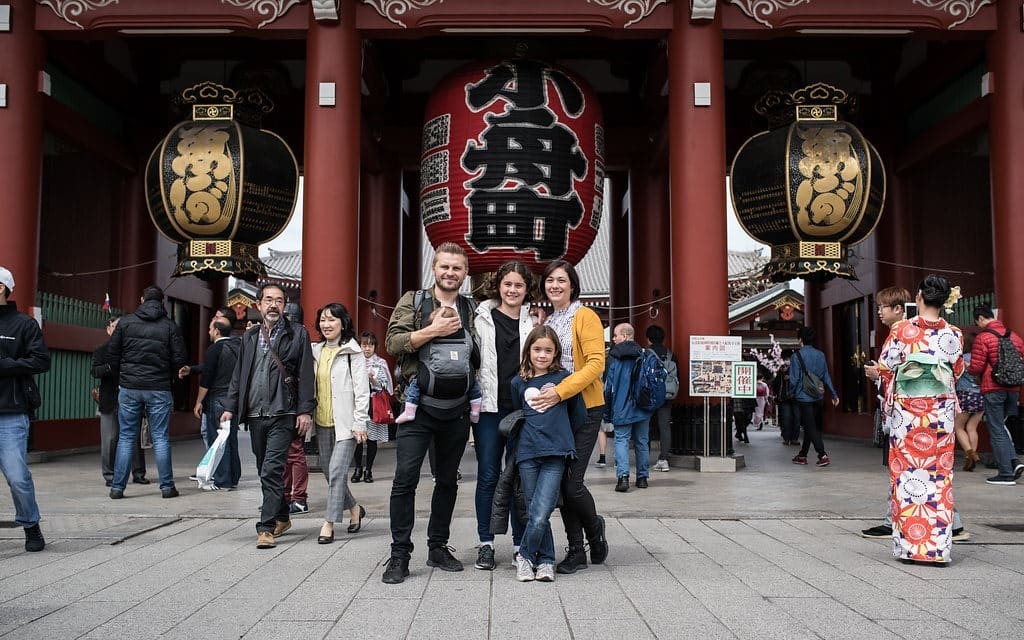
{"x": 136, "y": 245}
{"x": 1006, "y": 128}
{"x": 330, "y": 226}
{"x": 411, "y": 273}
{"x": 618, "y": 249}
{"x": 700, "y": 298}
{"x": 650, "y": 251}
{"x": 22, "y": 53}
{"x": 380, "y": 209}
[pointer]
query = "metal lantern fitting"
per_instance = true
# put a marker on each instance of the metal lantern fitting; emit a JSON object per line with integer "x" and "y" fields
{"x": 219, "y": 187}
{"x": 809, "y": 187}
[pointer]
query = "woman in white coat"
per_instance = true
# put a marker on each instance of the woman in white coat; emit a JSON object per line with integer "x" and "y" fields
{"x": 343, "y": 398}
{"x": 502, "y": 323}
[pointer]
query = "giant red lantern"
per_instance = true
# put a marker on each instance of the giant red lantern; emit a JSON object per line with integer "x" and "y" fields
{"x": 513, "y": 164}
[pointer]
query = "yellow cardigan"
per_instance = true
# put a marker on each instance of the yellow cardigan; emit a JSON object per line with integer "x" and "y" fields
{"x": 587, "y": 358}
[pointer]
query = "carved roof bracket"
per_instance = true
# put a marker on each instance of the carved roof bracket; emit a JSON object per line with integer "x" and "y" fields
{"x": 325, "y": 10}
{"x": 702, "y": 9}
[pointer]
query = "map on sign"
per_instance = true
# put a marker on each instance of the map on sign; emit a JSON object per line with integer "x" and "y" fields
{"x": 711, "y": 359}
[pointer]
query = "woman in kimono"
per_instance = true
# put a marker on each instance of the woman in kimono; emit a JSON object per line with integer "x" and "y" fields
{"x": 922, "y": 357}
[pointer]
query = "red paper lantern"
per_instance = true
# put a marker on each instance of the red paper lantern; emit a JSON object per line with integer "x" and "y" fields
{"x": 513, "y": 164}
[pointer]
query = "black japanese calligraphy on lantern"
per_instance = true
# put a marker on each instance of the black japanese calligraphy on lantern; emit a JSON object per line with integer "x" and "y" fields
{"x": 525, "y": 161}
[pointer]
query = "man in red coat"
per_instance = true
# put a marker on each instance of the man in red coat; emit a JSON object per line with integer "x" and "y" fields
{"x": 1000, "y": 401}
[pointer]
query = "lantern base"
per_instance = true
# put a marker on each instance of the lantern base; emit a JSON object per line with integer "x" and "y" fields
{"x": 215, "y": 259}
{"x": 812, "y": 261}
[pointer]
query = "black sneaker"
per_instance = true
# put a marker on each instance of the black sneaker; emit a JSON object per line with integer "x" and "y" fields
{"x": 34, "y": 538}
{"x": 485, "y": 558}
{"x": 600, "y": 461}
{"x": 442, "y": 558}
{"x": 641, "y": 483}
{"x": 598, "y": 544}
{"x": 1008, "y": 481}
{"x": 881, "y": 531}
{"x": 140, "y": 480}
{"x": 297, "y": 507}
{"x": 169, "y": 493}
{"x": 1018, "y": 470}
{"x": 575, "y": 559}
{"x": 396, "y": 570}
{"x": 116, "y": 494}
{"x": 622, "y": 486}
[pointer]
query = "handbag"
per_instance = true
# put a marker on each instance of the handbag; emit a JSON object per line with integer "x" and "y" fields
{"x": 813, "y": 386}
{"x": 381, "y": 411}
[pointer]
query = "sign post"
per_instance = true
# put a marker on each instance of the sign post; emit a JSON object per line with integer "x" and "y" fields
{"x": 713, "y": 360}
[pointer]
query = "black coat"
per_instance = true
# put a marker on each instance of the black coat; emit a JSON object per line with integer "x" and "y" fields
{"x": 147, "y": 349}
{"x": 507, "y": 490}
{"x": 102, "y": 369}
{"x": 293, "y": 348}
{"x": 22, "y": 355}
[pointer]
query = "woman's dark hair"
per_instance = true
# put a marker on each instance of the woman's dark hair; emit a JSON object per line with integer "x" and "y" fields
{"x": 526, "y": 366}
{"x": 934, "y": 291}
{"x": 339, "y": 311}
{"x": 368, "y": 337}
{"x": 494, "y": 292}
{"x": 574, "y": 278}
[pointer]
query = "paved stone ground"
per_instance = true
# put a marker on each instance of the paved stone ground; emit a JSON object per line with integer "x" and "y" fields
{"x": 769, "y": 552}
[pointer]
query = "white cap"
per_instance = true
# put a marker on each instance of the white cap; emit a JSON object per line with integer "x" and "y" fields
{"x": 7, "y": 279}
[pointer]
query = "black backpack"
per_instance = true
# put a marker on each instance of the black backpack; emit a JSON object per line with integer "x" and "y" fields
{"x": 1008, "y": 371}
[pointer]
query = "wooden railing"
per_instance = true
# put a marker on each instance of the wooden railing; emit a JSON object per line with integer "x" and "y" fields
{"x": 72, "y": 311}
{"x": 65, "y": 387}
{"x": 963, "y": 310}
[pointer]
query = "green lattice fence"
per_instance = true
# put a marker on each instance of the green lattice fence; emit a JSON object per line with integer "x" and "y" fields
{"x": 65, "y": 387}
{"x": 73, "y": 311}
{"x": 963, "y": 311}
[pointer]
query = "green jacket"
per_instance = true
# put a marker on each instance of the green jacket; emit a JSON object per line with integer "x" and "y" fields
{"x": 405, "y": 320}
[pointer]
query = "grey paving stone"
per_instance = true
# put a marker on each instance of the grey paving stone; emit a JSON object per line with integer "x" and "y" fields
{"x": 427, "y": 626}
{"x": 613, "y": 628}
{"x": 315, "y": 602}
{"x": 912, "y": 629}
{"x": 832, "y": 619}
{"x": 69, "y": 622}
{"x": 981, "y": 619}
{"x": 391, "y": 619}
{"x": 291, "y": 631}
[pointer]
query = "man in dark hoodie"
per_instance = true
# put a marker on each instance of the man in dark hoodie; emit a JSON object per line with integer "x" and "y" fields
{"x": 147, "y": 350}
{"x": 631, "y": 422}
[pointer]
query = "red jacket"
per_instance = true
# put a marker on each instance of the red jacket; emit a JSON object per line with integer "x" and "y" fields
{"x": 985, "y": 353}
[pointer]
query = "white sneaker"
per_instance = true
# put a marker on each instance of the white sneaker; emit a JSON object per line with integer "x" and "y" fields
{"x": 524, "y": 571}
{"x": 515, "y": 559}
{"x": 546, "y": 573}
{"x": 661, "y": 465}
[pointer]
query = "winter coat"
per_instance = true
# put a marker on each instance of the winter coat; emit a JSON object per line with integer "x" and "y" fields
{"x": 487, "y": 376}
{"x": 985, "y": 353}
{"x": 619, "y": 405}
{"x": 107, "y": 374}
{"x": 22, "y": 354}
{"x": 147, "y": 349}
{"x": 350, "y": 389}
{"x": 294, "y": 350}
{"x": 507, "y": 490}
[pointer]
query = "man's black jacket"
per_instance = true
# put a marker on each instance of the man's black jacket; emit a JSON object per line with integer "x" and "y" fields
{"x": 147, "y": 349}
{"x": 107, "y": 374}
{"x": 22, "y": 354}
{"x": 293, "y": 348}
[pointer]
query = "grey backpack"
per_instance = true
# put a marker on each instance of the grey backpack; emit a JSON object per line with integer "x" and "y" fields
{"x": 447, "y": 365}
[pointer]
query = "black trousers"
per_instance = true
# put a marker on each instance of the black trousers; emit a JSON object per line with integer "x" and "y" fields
{"x": 271, "y": 438}
{"x": 578, "y": 509}
{"x": 809, "y": 412}
{"x": 449, "y": 437}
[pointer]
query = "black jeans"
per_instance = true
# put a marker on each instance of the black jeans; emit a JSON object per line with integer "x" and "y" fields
{"x": 271, "y": 438}
{"x": 449, "y": 438}
{"x": 789, "y": 420}
{"x": 812, "y": 434}
{"x": 578, "y": 509}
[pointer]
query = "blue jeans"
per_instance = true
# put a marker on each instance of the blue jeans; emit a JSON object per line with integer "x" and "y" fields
{"x": 999, "y": 405}
{"x": 14, "y": 465}
{"x": 157, "y": 405}
{"x": 490, "y": 445}
{"x": 229, "y": 470}
{"x": 639, "y": 433}
{"x": 540, "y": 479}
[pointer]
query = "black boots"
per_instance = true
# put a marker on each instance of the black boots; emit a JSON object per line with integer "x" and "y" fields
{"x": 622, "y": 486}
{"x": 598, "y": 543}
{"x": 357, "y": 475}
{"x": 34, "y": 538}
{"x": 575, "y": 559}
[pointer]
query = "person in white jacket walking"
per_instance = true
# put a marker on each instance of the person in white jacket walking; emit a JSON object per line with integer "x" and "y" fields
{"x": 343, "y": 399}
{"x": 502, "y": 323}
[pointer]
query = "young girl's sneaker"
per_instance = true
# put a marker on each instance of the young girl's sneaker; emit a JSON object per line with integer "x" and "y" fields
{"x": 546, "y": 573}
{"x": 408, "y": 415}
{"x": 524, "y": 570}
{"x": 474, "y": 410}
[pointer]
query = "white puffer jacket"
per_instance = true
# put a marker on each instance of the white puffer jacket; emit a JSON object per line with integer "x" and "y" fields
{"x": 350, "y": 388}
{"x": 485, "y": 333}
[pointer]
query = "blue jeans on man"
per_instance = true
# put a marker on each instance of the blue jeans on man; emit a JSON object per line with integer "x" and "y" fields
{"x": 540, "y": 479}
{"x": 490, "y": 446}
{"x": 639, "y": 433}
{"x": 999, "y": 405}
{"x": 229, "y": 470}
{"x": 130, "y": 405}
{"x": 14, "y": 465}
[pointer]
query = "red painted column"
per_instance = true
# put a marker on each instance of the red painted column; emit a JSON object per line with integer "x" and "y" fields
{"x": 136, "y": 245}
{"x": 330, "y": 226}
{"x": 378, "y": 255}
{"x": 22, "y": 54}
{"x": 1006, "y": 136}
{"x": 700, "y": 299}
{"x": 650, "y": 251}
{"x": 411, "y": 274}
{"x": 618, "y": 249}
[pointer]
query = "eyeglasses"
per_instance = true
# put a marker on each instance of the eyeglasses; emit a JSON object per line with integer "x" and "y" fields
{"x": 269, "y": 300}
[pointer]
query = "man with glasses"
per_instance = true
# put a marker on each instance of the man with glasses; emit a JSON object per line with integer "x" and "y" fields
{"x": 272, "y": 392}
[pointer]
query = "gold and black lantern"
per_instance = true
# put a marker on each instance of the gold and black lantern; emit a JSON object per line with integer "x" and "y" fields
{"x": 809, "y": 187}
{"x": 219, "y": 186}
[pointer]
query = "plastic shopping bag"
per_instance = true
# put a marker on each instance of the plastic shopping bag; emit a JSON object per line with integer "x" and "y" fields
{"x": 208, "y": 465}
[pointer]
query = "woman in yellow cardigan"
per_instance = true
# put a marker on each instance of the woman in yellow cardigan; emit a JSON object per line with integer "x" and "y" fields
{"x": 582, "y": 337}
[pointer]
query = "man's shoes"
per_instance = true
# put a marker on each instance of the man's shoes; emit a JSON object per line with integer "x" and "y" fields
{"x": 598, "y": 544}
{"x": 1018, "y": 470}
{"x": 265, "y": 540}
{"x": 169, "y": 493}
{"x": 545, "y": 572}
{"x": 140, "y": 480}
{"x": 298, "y": 507}
{"x": 34, "y": 538}
{"x": 880, "y": 531}
{"x": 641, "y": 483}
{"x": 799, "y": 459}
{"x": 622, "y": 486}
{"x": 281, "y": 527}
{"x": 600, "y": 462}
{"x": 485, "y": 558}
{"x": 442, "y": 558}
{"x": 525, "y": 571}
{"x": 661, "y": 465}
{"x": 1006, "y": 481}
{"x": 575, "y": 559}
{"x": 823, "y": 461}
{"x": 959, "y": 535}
{"x": 109, "y": 482}
{"x": 396, "y": 570}
{"x": 116, "y": 494}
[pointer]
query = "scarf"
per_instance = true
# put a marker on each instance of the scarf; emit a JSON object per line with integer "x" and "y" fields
{"x": 561, "y": 322}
